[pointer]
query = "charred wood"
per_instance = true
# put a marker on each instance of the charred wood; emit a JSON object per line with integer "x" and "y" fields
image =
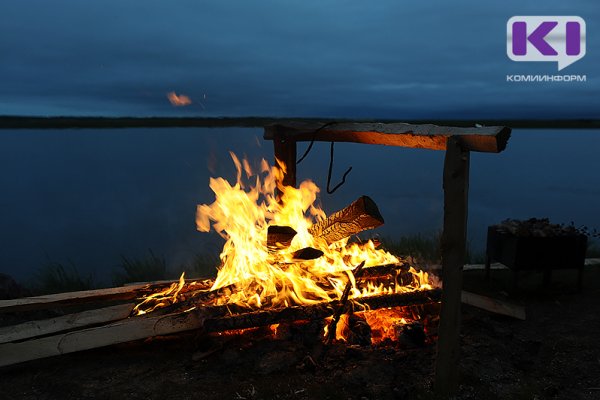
{"x": 307, "y": 253}
{"x": 318, "y": 311}
{"x": 279, "y": 237}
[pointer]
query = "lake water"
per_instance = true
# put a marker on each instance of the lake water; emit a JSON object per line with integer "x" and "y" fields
{"x": 88, "y": 197}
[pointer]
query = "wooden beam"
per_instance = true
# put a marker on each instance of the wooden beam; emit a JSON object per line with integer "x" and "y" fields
{"x": 496, "y": 306}
{"x": 285, "y": 151}
{"x": 491, "y": 139}
{"x": 44, "y": 327}
{"x": 66, "y": 122}
{"x": 454, "y": 236}
{"x": 119, "y": 332}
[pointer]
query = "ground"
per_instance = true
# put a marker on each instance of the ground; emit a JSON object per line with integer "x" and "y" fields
{"x": 553, "y": 354}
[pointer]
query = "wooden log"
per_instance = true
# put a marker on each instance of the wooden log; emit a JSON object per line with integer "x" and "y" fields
{"x": 205, "y": 296}
{"x": 44, "y": 327}
{"x": 307, "y": 253}
{"x": 361, "y": 215}
{"x": 496, "y": 306}
{"x": 210, "y": 319}
{"x": 342, "y": 305}
{"x": 454, "y": 237}
{"x": 485, "y": 139}
{"x": 279, "y": 237}
{"x": 318, "y": 311}
{"x": 118, "y": 332}
{"x": 90, "y": 296}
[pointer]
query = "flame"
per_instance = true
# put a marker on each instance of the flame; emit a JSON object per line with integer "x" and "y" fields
{"x": 162, "y": 298}
{"x": 242, "y": 213}
{"x": 179, "y": 100}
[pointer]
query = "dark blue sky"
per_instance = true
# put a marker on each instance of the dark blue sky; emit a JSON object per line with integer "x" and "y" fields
{"x": 339, "y": 58}
{"x": 91, "y": 196}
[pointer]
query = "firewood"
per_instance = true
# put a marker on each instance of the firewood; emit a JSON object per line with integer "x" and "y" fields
{"x": 307, "y": 253}
{"x": 318, "y": 311}
{"x": 119, "y": 332}
{"x": 210, "y": 319}
{"x": 279, "y": 237}
{"x": 32, "y": 329}
{"x": 361, "y": 215}
{"x": 87, "y": 296}
{"x": 343, "y": 300}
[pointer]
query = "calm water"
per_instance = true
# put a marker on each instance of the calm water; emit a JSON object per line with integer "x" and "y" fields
{"x": 90, "y": 196}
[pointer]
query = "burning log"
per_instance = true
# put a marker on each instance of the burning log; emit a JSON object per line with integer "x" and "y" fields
{"x": 279, "y": 237}
{"x": 361, "y": 215}
{"x": 318, "y": 311}
{"x": 197, "y": 298}
{"x": 210, "y": 319}
{"x": 307, "y": 253}
{"x": 338, "y": 312}
{"x": 85, "y": 296}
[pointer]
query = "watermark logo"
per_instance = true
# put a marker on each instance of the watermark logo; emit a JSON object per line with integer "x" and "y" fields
{"x": 558, "y": 39}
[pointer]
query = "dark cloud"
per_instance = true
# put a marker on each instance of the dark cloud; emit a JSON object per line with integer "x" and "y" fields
{"x": 389, "y": 59}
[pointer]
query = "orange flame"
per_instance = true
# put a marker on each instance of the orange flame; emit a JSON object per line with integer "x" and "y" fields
{"x": 242, "y": 213}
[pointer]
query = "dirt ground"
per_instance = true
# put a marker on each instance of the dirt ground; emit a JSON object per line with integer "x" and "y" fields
{"x": 553, "y": 354}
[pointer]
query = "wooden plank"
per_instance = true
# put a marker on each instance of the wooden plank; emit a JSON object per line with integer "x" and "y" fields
{"x": 492, "y": 139}
{"x": 66, "y": 122}
{"x": 119, "y": 332}
{"x": 496, "y": 306}
{"x": 84, "y": 296}
{"x": 44, "y": 327}
{"x": 127, "y": 292}
{"x": 454, "y": 237}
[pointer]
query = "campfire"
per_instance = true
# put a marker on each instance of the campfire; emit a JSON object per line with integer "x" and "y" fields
{"x": 283, "y": 253}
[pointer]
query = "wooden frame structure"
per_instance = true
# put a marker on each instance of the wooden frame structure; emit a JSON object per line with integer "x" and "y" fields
{"x": 458, "y": 143}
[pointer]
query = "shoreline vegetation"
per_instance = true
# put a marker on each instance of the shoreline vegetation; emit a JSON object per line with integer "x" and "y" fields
{"x": 56, "y": 277}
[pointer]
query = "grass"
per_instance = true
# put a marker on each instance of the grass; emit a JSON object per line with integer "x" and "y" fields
{"x": 203, "y": 265}
{"x": 426, "y": 249}
{"x": 593, "y": 249}
{"x": 150, "y": 268}
{"x": 59, "y": 278}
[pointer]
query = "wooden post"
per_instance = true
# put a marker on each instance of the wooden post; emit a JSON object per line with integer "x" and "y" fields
{"x": 456, "y": 188}
{"x": 285, "y": 151}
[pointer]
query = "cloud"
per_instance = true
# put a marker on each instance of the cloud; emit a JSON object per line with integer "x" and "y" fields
{"x": 271, "y": 58}
{"x": 180, "y": 100}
